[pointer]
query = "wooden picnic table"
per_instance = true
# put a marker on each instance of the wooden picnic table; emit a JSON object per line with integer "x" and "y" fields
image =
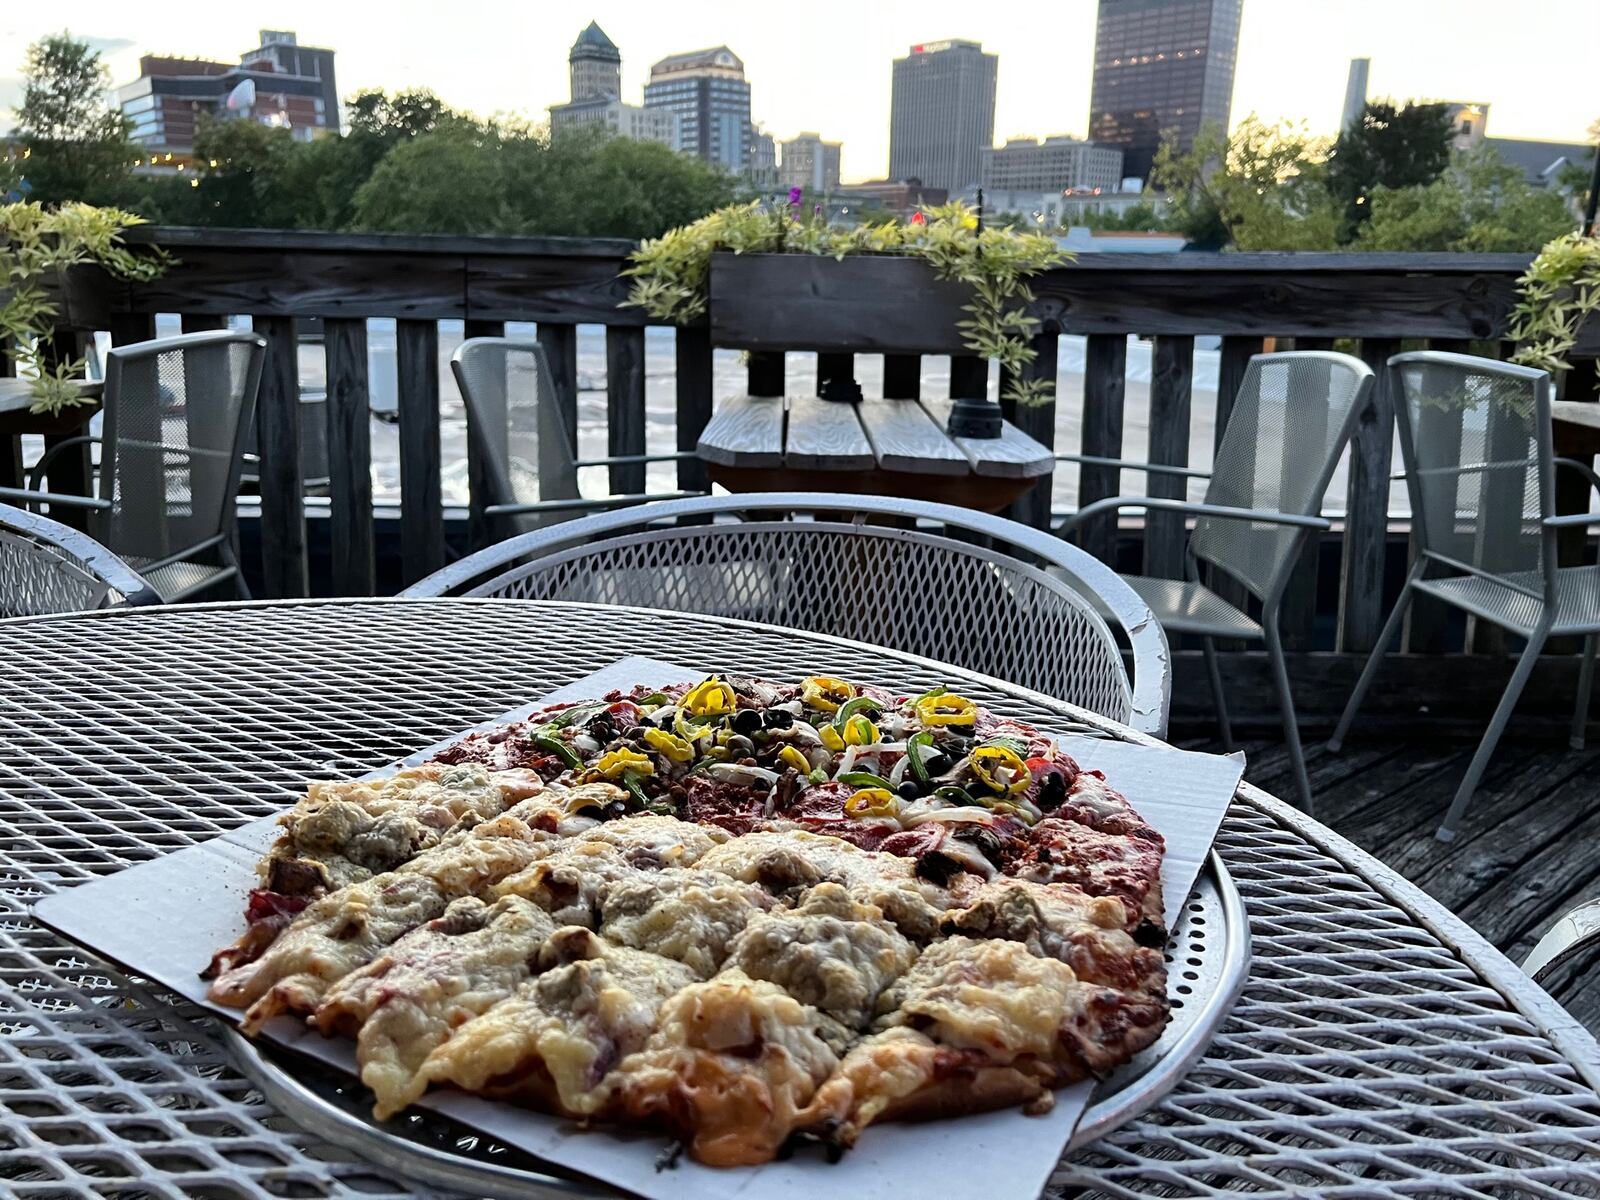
{"x": 875, "y": 447}
{"x": 73, "y": 472}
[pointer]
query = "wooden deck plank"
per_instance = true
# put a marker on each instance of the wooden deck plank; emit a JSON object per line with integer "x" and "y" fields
{"x": 1012, "y": 455}
{"x": 825, "y": 435}
{"x": 744, "y": 431}
{"x": 905, "y": 438}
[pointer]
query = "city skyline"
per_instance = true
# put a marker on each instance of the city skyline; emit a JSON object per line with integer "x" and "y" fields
{"x": 828, "y": 66}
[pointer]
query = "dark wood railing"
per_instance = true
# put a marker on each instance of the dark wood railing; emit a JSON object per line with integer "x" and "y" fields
{"x": 878, "y": 305}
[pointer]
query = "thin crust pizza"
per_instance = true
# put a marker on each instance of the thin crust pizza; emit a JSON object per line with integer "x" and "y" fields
{"x": 739, "y": 911}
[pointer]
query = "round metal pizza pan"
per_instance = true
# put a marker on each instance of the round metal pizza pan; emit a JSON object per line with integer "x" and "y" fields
{"x": 1208, "y": 957}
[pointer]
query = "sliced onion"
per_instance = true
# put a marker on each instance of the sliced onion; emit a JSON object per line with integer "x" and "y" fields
{"x": 897, "y": 775}
{"x": 585, "y": 743}
{"x": 740, "y": 774}
{"x": 798, "y": 732}
{"x": 848, "y": 762}
{"x": 968, "y": 855}
{"x": 953, "y": 815}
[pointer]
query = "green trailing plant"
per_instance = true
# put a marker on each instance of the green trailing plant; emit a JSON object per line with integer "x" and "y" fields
{"x": 1559, "y": 292}
{"x": 670, "y": 273}
{"x": 37, "y": 245}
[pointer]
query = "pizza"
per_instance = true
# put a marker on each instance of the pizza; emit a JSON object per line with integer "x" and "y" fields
{"x": 742, "y": 912}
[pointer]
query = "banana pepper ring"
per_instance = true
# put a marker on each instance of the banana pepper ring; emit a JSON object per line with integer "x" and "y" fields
{"x": 946, "y": 709}
{"x": 612, "y": 765}
{"x": 710, "y": 698}
{"x": 668, "y": 745}
{"x": 872, "y": 802}
{"x": 1002, "y": 769}
{"x": 826, "y": 694}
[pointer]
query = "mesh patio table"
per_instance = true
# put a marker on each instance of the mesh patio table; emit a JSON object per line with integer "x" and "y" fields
{"x": 1380, "y": 1048}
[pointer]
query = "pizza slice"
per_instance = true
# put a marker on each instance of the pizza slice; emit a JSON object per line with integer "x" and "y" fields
{"x": 556, "y": 1040}
{"x": 407, "y": 1000}
{"x": 688, "y": 916}
{"x": 733, "y": 1064}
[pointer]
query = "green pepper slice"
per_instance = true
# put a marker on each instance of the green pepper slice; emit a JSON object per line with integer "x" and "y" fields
{"x": 865, "y": 779}
{"x": 954, "y": 794}
{"x": 551, "y": 744}
{"x": 919, "y": 769}
{"x": 630, "y": 784}
{"x": 818, "y": 776}
{"x": 851, "y": 707}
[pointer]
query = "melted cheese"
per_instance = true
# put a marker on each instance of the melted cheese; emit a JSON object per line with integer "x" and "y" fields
{"x": 407, "y": 1000}
{"x": 831, "y": 953}
{"x": 687, "y": 916}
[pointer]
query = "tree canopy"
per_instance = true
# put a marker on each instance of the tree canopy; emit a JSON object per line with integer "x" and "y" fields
{"x": 76, "y": 144}
{"x": 1392, "y": 146}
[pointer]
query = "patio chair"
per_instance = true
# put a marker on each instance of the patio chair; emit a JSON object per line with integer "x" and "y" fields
{"x": 1290, "y": 422}
{"x": 518, "y": 431}
{"x": 1475, "y": 436}
{"x": 812, "y": 561}
{"x": 47, "y": 568}
{"x": 1572, "y": 933}
{"x": 176, "y": 411}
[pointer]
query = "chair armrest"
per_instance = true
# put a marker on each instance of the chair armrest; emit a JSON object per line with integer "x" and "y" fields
{"x": 1128, "y": 464}
{"x": 619, "y": 460}
{"x": 1570, "y": 935}
{"x": 1569, "y": 520}
{"x": 580, "y": 504}
{"x": 40, "y": 468}
{"x": 33, "y": 496}
{"x": 1220, "y": 511}
{"x": 1582, "y": 468}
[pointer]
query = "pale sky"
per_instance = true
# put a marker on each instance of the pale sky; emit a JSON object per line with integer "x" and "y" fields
{"x": 824, "y": 65}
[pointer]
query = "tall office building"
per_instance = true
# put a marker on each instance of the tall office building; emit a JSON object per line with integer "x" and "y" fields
{"x": 1355, "y": 93}
{"x": 279, "y": 83}
{"x": 763, "y": 166}
{"x": 941, "y": 115}
{"x": 1057, "y": 164}
{"x": 1162, "y": 68}
{"x": 595, "y": 71}
{"x": 706, "y": 89}
{"x": 810, "y": 163}
{"x": 594, "y": 64}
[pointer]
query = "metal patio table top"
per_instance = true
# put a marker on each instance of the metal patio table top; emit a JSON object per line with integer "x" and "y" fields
{"x": 1381, "y": 1047}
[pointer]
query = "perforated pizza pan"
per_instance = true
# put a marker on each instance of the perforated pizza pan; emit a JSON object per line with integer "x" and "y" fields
{"x": 1208, "y": 958}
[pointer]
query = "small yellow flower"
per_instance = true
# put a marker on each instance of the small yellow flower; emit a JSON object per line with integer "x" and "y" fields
{"x": 969, "y": 222}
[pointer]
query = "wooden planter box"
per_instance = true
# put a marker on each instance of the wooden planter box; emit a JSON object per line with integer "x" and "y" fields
{"x": 81, "y": 295}
{"x": 864, "y": 303}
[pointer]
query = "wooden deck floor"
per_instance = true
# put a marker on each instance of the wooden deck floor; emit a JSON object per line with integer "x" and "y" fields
{"x": 1527, "y": 851}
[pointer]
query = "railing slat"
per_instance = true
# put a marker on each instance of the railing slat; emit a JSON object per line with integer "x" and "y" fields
{"x": 1105, "y": 383}
{"x": 765, "y": 372}
{"x": 692, "y": 355}
{"x": 902, "y": 376}
{"x": 835, "y": 366}
{"x": 1426, "y": 626}
{"x": 1171, "y": 379}
{"x": 1300, "y": 593}
{"x": 1038, "y": 421}
{"x": 479, "y": 487}
{"x": 350, "y": 531}
{"x": 283, "y": 523}
{"x": 1234, "y": 361}
{"x": 1366, "y": 522}
{"x": 969, "y": 377}
{"x": 625, "y": 430}
{"x": 421, "y": 512}
{"x": 560, "y": 344}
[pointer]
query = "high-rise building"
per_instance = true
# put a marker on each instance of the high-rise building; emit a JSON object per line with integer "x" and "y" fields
{"x": 941, "y": 115}
{"x": 1057, "y": 164}
{"x": 279, "y": 83}
{"x": 763, "y": 168}
{"x": 594, "y": 64}
{"x": 595, "y": 71}
{"x": 1355, "y": 93}
{"x": 706, "y": 89}
{"x": 810, "y": 163}
{"x": 1162, "y": 69}
{"x": 1469, "y": 123}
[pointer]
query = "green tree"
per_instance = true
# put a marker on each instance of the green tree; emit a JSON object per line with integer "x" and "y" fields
{"x": 1479, "y": 204}
{"x": 449, "y": 181}
{"x": 1392, "y": 146}
{"x": 1262, "y": 188}
{"x": 1142, "y": 217}
{"x": 74, "y": 145}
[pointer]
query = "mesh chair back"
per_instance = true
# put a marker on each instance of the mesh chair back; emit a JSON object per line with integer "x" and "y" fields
{"x": 515, "y": 425}
{"x": 810, "y": 561}
{"x": 1289, "y": 424}
{"x": 46, "y": 568}
{"x": 176, "y": 414}
{"x": 1475, "y": 435}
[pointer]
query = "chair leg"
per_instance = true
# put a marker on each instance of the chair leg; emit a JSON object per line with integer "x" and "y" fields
{"x": 1491, "y": 737}
{"x": 1580, "y": 714}
{"x": 1291, "y": 726}
{"x": 1224, "y": 726}
{"x": 232, "y": 559}
{"x": 1370, "y": 671}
